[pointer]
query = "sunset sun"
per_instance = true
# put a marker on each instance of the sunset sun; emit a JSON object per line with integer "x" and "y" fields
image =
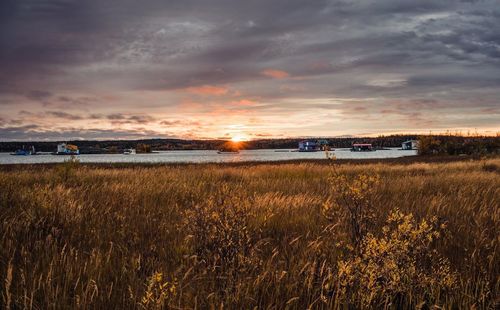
{"x": 238, "y": 138}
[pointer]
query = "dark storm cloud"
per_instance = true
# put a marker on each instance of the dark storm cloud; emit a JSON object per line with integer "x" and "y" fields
{"x": 64, "y": 115}
{"x": 118, "y": 118}
{"x": 38, "y": 95}
{"x": 115, "y": 118}
{"x": 76, "y": 100}
{"x": 230, "y": 41}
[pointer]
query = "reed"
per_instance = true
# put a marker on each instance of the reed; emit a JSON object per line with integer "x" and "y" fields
{"x": 297, "y": 236}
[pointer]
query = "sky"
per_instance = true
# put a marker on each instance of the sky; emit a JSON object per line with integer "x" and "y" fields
{"x": 129, "y": 69}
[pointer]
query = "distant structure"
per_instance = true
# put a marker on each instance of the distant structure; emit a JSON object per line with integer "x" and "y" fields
{"x": 67, "y": 149}
{"x": 362, "y": 147}
{"x": 309, "y": 146}
{"x": 323, "y": 145}
{"x": 410, "y": 145}
{"x": 25, "y": 152}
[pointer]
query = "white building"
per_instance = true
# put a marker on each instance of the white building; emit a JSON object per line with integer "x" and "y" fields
{"x": 410, "y": 145}
{"x": 70, "y": 149}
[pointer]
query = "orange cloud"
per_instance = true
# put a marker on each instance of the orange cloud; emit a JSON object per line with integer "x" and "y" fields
{"x": 244, "y": 102}
{"x": 275, "y": 74}
{"x": 208, "y": 90}
{"x": 189, "y": 105}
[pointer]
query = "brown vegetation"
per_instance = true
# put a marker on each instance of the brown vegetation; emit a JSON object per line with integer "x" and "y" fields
{"x": 458, "y": 145}
{"x": 143, "y": 148}
{"x": 251, "y": 236}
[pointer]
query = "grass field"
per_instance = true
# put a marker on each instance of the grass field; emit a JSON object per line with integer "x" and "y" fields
{"x": 298, "y": 235}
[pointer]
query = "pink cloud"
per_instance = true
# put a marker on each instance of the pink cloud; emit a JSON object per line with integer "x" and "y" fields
{"x": 244, "y": 102}
{"x": 208, "y": 90}
{"x": 275, "y": 74}
{"x": 190, "y": 105}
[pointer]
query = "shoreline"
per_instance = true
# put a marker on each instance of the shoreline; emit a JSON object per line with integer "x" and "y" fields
{"x": 406, "y": 160}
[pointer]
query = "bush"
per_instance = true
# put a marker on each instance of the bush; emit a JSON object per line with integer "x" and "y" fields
{"x": 66, "y": 170}
{"x": 399, "y": 268}
{"x": 349, "y": 206}
{"x": 159, "y": 292}
{"x": 143, "y": 148}
{"x": 458, "y": 145}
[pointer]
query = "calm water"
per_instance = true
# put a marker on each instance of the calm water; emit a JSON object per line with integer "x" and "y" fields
{"x": 202, "y": 156}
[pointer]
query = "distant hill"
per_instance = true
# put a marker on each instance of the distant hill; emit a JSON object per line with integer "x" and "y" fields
{"x": 93, "y": 146}
{"x": 112, "y": 146}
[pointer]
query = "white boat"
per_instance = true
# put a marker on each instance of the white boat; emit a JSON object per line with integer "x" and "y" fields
{"x": 67, "y": 149}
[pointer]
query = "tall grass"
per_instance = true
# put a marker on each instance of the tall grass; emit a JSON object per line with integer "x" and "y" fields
{"x": 256, "y": 236}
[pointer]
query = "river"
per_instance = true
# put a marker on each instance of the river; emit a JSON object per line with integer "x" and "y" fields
{"x": 203, "y": 156}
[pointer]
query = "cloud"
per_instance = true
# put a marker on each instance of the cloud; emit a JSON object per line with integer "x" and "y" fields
{"x": 115, "y": 118}
{"x": 208, "y": 90}
{"x": 77, "y": 100}
{"x": 124, "y": 62}
{"x": 276, "y": 74}
{"x": 64, "y": 115}
{"x": 244, "y": 102}
{"x": 34, "y": 132}
{"x": 181, "y": 123}
{"x": 38, "y": 95}
{"x": 119, "y": 118}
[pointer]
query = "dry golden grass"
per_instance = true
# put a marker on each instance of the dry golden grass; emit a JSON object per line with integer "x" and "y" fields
{"x": 252, "y": 236}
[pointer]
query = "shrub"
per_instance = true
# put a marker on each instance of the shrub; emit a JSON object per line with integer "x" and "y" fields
{"x": 218, "y": 235}
{"x": 66, "y": 170}
{"x": 398, "y": 268}
{"x": 457, "y": 145}
{"x": 349, "y": 207}
{"x": 159, "y": 292}
{"x": 143, "y": 148}
{"x": 219, "y": 238}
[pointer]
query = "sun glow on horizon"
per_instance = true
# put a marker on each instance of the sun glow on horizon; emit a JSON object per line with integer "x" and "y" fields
{"x": 238, "y": 138}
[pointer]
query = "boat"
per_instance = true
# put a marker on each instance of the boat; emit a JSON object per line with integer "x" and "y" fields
{"x": 362, "y": 147}
{"x": 308, "y": 146}
{"x": 229, "y": 148}
{"x": 128, "y": 152}
{"x": 222, "y": 151}
{"x": 313, "y": 145}
{"x": 24, "y": 152}
{"x": 67, "y": 149}
{"x": 21, "y": 153}
{"x": 409, "y": 145}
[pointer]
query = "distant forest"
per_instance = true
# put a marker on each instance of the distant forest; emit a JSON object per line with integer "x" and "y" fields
{"x": 115, "y": 146}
